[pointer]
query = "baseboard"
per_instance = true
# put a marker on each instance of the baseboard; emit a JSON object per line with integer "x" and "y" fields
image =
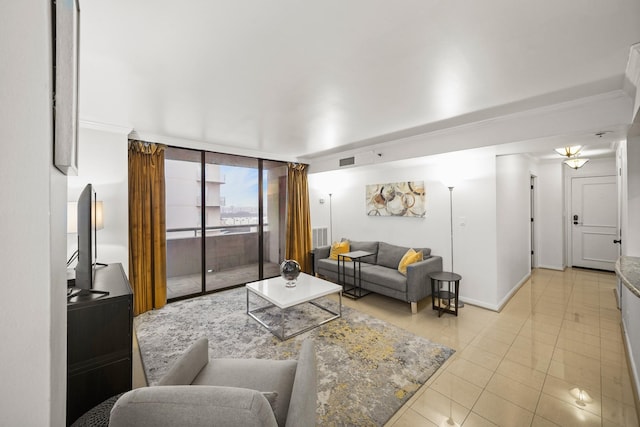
{"x": 480, "y": 304}
{"x": 497, "y": 307}
{"x": 551, "y": 267}
{"x": 513, "y": 291}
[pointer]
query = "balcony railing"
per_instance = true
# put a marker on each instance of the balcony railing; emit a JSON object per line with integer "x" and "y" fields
{"x": 215, "y": 229}
{"x": 227, "y": 247}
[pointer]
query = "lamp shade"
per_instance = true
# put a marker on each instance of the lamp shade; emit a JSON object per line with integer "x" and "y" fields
{"x": 72, "y": 216}
{"x": 569, "y": 151}
{"x": 576, "y": 162}
{"x": 99, "y": 216}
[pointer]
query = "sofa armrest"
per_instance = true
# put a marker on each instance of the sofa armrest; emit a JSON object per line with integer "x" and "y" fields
{"x": 320, "y": 253}
{"x": 189, "y": 364}
{"x": 418, "y": 280}
{"x": 192, "y": 406}
{"x": 304, "y": 395}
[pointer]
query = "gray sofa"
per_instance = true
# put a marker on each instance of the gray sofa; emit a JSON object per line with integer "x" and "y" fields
{"x": 198, "y": 392}
{"x": 380, "y": 271}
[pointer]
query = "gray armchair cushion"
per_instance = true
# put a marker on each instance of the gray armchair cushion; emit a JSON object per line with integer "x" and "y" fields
{"x": 256, "y": 374}
{"x": 192, "y": 406}
{"x": 293, "y": 383}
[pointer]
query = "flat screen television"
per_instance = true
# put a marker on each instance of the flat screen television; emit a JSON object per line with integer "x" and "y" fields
{"x": 87, "y": 246}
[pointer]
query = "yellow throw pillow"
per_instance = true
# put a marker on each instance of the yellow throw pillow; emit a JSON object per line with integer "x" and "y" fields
{"x": 339, "y": 248}
{"x": 409, "y": 257}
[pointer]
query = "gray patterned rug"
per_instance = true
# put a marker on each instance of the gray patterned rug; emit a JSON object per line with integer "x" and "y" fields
{"x": 367, "y": 368}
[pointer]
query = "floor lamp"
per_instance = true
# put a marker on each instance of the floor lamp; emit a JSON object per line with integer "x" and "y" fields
{"x": 330, "y": 221}
{"x": 460, "y": 303}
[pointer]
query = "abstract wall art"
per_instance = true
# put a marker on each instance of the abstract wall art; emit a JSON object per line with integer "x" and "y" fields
{"x": 396, "y": 199}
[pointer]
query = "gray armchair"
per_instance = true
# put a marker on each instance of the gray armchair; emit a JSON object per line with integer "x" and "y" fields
{"x": 197, "y": 391}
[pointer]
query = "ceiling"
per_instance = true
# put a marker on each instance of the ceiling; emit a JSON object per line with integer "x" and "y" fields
{"x": 297, "y": 79}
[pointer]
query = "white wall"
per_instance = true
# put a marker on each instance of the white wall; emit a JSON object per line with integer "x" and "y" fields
{"x": 630, "y": 304}
{"x": 631, "y": 238}
{"x": 33, "y": 194}
{"x": 474, "y": 212}
{"x": 103, "y": 162}
{"x": 550, "y": 214}
{"x": 513, "y": 218}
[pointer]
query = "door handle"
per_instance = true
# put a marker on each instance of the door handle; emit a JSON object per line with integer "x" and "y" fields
{"x": 618, "y": 241}
{"x": 575, "y": 220}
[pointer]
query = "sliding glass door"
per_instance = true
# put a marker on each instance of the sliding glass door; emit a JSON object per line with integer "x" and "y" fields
{"x": 232, "y": 251}
{"x": 274, "y": 178}
{"x": 225, "y": 220}
{"x": 184, "y": 235}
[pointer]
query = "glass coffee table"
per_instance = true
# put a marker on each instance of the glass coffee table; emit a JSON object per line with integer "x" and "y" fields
{"x": 281, "y": 299}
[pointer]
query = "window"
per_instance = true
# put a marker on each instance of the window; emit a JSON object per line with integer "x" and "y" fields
{"x": 225, "y": 220}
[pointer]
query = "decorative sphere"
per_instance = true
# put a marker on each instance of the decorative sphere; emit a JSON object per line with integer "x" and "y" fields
{"x": 290, "y": 270}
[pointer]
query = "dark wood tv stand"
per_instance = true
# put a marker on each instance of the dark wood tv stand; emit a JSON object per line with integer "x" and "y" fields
{"x": 99, "y": 342}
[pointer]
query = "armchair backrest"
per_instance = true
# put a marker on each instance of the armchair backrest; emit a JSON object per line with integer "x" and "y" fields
{"x": 304, "y": 396}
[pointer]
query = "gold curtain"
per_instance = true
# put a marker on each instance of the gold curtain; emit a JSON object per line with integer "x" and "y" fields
{"x": 298, "y": 216}
{"x": 147, "y": 226}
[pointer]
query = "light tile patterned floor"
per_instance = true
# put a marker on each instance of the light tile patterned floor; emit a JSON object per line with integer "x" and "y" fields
{"x": 516, "y": 368}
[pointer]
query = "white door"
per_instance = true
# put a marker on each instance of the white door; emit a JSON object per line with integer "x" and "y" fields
{"x": 594, "y": 217}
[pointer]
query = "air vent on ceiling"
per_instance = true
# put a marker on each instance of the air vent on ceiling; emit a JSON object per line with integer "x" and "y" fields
{"x": 348, "y": 161}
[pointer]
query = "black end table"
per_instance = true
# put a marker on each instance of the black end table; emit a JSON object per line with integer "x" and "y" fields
{"x": 449, "y": 295}
{"x": 353, "y": 291}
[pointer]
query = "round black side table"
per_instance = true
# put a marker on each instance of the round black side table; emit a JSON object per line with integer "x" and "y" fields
{"x": 98, "y": 416}
{"x": 449, "y": 295}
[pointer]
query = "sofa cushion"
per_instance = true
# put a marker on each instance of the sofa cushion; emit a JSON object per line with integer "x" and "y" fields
{"x": 339, "y": 248}
{"x": 390, "y": 255}
{"x": 367, "y": 247}
{"x": 386, "y": 277}
{"x": 426, "y": 252}
{"x": 410, "y": 257}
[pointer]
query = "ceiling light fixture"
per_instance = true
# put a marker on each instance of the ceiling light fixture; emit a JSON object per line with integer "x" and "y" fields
{"x": 572, "y": 152}
{"x": 575, "y": 162}
{"x": 569, "y": 151}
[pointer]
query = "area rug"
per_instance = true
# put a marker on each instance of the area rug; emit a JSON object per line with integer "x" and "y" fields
{"x": 367, "y": 368}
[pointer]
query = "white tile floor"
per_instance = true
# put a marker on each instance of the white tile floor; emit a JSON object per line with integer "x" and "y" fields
{"x": 560, "y": 331}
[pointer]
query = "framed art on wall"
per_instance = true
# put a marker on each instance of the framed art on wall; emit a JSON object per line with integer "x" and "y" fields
{"x": 396, "y": 199}
{"x": 66, "y": 31}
